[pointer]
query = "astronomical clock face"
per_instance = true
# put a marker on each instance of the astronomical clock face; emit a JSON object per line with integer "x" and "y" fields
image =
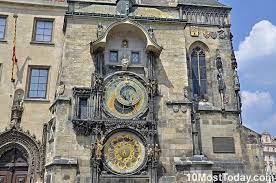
{"x": 125, "y": 97}
{"x": 124, "y": 153}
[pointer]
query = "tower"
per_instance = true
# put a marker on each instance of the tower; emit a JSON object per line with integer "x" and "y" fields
{"x": 149, "y": 93}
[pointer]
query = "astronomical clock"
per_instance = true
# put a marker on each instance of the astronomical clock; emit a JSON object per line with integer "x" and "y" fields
{"x": 125, "y": 97}
{"x": 125, "y": 129}
{"x": 124, "y": 153}
{"x": 122, "y": 124}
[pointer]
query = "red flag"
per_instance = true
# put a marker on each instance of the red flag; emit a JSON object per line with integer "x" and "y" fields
{"x": 14, "y": 59}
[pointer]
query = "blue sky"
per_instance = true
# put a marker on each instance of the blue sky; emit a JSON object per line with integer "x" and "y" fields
{"x": 254, "y": 29}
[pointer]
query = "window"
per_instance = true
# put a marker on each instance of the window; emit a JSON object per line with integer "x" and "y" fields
{"x": 199, "y": 76}
{"x": 113, "y": 56}
{"x": 223, "y": 145}
{"x": 2, "y": 27}
{"x": 38, "y": 80}
{"x": 43, "y": 30}
{"x": 135, "y": 58}
{"x": 83, "y": 108}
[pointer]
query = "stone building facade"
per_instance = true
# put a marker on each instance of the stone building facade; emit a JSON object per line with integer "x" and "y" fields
{"x": 269, "y": 149}
{"x": 138, "y": 91}
{"x": 23, "y": 113}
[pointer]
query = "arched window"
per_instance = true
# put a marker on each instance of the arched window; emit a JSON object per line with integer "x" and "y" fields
{"x": 199, "y": 76}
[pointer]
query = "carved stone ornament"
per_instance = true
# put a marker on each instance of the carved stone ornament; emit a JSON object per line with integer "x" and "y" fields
{"x": 183, "y": 108}
{"x": 176, "y": 108}
{"x": 214, "y": 35}
{"x": 206, "y": 15}
{"x": 124, "y": 7}
{"x": 206, "y": 34}
{"x": 125, "y": 61}
{"x": 100, "y": 30}
{"x": 194, "y": 31}
{"x": 29, "y": 145}
{"x": 222, "y": 34}
{"x": 125, "y": 43}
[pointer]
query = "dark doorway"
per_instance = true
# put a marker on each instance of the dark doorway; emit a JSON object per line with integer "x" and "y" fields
{"x": 13, "y": 167}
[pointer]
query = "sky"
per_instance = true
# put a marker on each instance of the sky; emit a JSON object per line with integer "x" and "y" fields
{"x": 254, "y": 30}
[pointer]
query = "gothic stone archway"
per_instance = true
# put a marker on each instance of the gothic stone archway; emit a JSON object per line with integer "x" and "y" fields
{"x": 20, "y": 154}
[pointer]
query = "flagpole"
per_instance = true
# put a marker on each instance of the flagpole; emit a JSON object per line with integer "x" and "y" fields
{"x": 14, "y": 59}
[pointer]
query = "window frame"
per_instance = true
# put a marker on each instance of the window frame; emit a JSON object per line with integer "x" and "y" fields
{"x": 109, "y": 56}
{"x": 139, "y": 54}
{"x": 37, "y": 19}
{"x": 80, "y": 111}
{"x": 29, "y": 82}
{"x": 78, "y": 94}
{"x": 5, "y": 28}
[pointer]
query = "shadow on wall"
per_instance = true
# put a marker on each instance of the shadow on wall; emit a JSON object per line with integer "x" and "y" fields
{"x": 162, "y": 75}
{"x": 20, "y": 71}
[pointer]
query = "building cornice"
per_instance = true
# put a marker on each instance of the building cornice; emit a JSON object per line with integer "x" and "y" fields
{"x": 49, "y": 4}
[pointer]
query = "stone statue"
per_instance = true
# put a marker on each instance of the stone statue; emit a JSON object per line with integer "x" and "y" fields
{"x": 97, "y": 81}
{"x": 125, "y": 43}
{"x": 17, "y": 108}
{"x": 60, "y": 89}
{"x": 221, "y": 87}
{"x": 153, "y": 84}
{"x": 93, "y": 148}
{"x": 100, "y": 30}
{"x": 99, "y": 148}
{"x": 218, "y": 60}
{"x": 236, "y": 80}
{"x": 157, "y": 152}
{"x": 186, "y": 93}
{"x": 221, "y": 83}
{"x": 125, "y": 61}
{"x": 220, "y": 78}
{"x": 52, "y": 132}
{"x": 151, "y": 33}
{"x": 150, "y": 151}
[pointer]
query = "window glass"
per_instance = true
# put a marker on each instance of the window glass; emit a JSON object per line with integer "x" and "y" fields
{"x": 135, "y": 58}
{"x": 38, "y": 83}
{"x": 43, "y": 30}
{"x": 199, "y": 75}
{"x": 83, "y": 108}
{"x": 2, "y": 27}
{"x": 113, "y": 56}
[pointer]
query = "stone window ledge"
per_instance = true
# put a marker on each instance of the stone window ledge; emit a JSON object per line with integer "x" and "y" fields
{"x": 36, "y": 100}
{"x": 42, "y": 43}
{"x": 3, "y": 41}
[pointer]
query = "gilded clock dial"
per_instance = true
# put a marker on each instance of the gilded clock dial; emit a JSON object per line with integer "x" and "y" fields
{"x": 125, "y": 97}
{"x": 124, "y": 152}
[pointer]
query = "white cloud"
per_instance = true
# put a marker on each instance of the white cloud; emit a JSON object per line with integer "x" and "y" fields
{"x": 258, "y": 111}
{"x": 257, "y": 62}
{"x": 261, "y": 42}
{"x": 256, "y": 101}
